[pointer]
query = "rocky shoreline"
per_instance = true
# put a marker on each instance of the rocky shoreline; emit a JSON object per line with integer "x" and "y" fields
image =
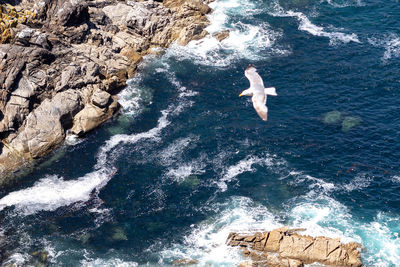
{"x": 63, "y": 62}
{"x": 284, "y": 247}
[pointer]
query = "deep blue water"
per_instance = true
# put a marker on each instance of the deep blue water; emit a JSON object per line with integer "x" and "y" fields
{"x": 188, "y": 161}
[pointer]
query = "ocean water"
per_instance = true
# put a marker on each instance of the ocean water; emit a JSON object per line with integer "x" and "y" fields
{"x": 187, "y": 161}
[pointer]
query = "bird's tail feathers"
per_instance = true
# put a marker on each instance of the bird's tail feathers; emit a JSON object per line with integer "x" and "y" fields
{"x": 270, "y": 91}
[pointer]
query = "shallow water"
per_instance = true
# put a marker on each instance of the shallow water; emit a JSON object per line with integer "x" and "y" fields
{"x": 188, "y": 161}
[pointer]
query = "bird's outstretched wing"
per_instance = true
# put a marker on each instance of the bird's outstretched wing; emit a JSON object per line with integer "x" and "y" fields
{"x": 254, "y": 78}
{"x": 259, "y": 101}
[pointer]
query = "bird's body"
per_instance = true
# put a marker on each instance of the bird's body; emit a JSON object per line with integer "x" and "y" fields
{"x": 258, "y": 92}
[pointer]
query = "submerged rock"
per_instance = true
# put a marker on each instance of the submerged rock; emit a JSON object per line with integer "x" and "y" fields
{"x": 350, "y": 122}
{"x": 118, "y": 234}
{"x": 332, "y": 117}
{"x": 285, "y": 247}
{"x": 191, "y": 181}
{"x": 40, "y": 255}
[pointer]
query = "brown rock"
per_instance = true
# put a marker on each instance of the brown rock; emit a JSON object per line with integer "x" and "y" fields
{"x": 220, "y": 36}
{"x": 185, "y": 262}
{"x": 131, "y": 54}
{"x": 284, "y": 247}
{"x": 273, "y": 241}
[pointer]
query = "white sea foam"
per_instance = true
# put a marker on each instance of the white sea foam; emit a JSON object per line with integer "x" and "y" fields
{"x": 244, "y": 165}
{"x": 72, "y": 139}
{"x": 252, "y": 41}
{"x": 182, "y": 171}
{"x": 135, "y": 96}
{"x": 115, "y": 262}
{"x": 361, "y": 180}
{"x": 325, "y": 216}
{"x": 335, "y": 37}
{"x": 396, "y": 178}
{"x": 206, "y": 243}
{"x": 174, "y": 151}
{"x": 52, "y": 192}
{"x": 320, "y": 215}
{"x": 391, "y": 44}
{"x": 18, "y": 259}
{"x": 381, "y": 237}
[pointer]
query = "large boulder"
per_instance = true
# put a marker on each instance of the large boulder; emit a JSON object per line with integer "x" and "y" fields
{"x": 43, "y": 130}
{"x": 285, "y": 247}
{"x": 102, "y": 107}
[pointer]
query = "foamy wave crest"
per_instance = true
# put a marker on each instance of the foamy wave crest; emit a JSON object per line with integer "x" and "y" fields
{"x": 53, "y": 192}
{"x": 194, "y": 167}
{"x": 316, "y": 185}
{"x": 206, "y": 243}
{"x": 222, "y": 9}
{"x": 396, "y": 179}
{"x": 229, "y": 173}
{"x": 134, "y": 97}
{"x": 174, "y": 151}
{"x": 391, "y": 43}
{"x": 361, "y": 180}
{"x": 382, "y": 237}
{"x": 325, "y": 216}
{"x": 306, "y": 25}
{"x": 252, "y": 41}
{"x": 322, "y": 215}
{"x": 244, "y": 41}
{"x": 108, "y": 263}
{"x": 244, "y": 165}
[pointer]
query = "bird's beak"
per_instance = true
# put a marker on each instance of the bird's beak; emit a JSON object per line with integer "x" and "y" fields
{"x": 240, "y": 94}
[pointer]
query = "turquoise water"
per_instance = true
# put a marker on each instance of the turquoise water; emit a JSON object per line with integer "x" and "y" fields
{"x": 188, "y": 161}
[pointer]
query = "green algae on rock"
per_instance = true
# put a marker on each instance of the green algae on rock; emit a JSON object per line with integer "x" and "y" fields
{"x": 332, "y": 117}
{"x": 350, "y": 122}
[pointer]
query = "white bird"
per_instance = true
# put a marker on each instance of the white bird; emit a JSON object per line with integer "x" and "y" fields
{"x": 258, "y": 92}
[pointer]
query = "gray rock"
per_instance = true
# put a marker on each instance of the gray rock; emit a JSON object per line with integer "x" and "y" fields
{"x": 92, "y": 116}
{"x": 44, "y": 128}
{"x": 72, "y": 12}
{"x": 101, "y": 99}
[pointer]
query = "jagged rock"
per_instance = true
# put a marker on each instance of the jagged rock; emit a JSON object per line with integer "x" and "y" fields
{"x": 284, "y": 247}
{"x": 220, "y": 36}
{"x": 182, "y": 262}
{"x": 92, "y": 115}
{"x": 101, "y": 99}
{"x": 42, "y": 131}
{"x": 71, "y": 12}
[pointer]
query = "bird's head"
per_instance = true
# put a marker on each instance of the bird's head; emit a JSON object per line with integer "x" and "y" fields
{"x": 246, "y": 92}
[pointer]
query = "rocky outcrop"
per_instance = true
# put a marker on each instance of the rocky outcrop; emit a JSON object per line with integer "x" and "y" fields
{"x": 62, "y": 62}
{"x": 285, "y": 247}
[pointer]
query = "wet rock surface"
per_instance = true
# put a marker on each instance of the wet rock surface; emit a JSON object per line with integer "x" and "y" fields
{"x": 61, "y": 62}
{"x": 285, "y": 247}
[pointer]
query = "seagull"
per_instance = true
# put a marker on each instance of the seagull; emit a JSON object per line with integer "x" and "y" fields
{"x": 257, "y": 92}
